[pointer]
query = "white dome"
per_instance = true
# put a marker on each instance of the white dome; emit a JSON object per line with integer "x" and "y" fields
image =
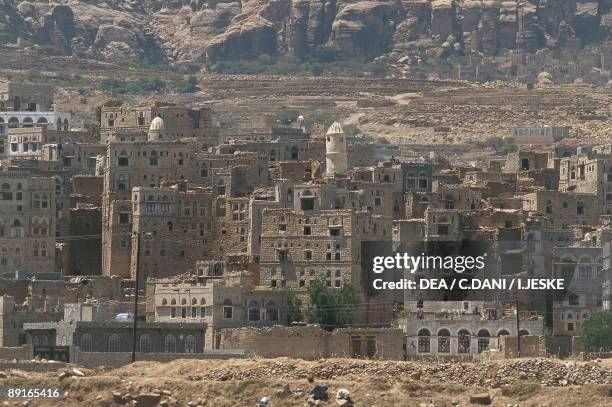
{"x": 157, "y": 125}
{"x": 335, "y": 128}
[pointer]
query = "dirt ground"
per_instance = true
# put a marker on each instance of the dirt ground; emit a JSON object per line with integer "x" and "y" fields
{"x": 234, "y": 383}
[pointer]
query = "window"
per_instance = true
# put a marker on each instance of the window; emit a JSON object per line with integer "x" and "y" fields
{"x": 170, "y": 344}
{"x": 228, "y": 310}
{"x": 123, "y": 162}
{"x": 444, "y": 341}
{"x": 307, "y": 255}
{"x": 464, "y": 341}
{"x": 173, "y": 312}
{"x": 254, "y": 314}
{"x": 114, "y": 343}
{"x": 307, "y": 230}
{"x": 124, "y": 218}
{"x": 282, "y": 227}
{"x": 424, "y": 341}
{"x": 334, "y": 231}
{"x": 271, "y": 311}
{"x": 190, "y": 344}
{"x": 579, "y": 208}
{"x": 85, "y": 343}
{"x": 442, "y": 230}
{"x": 146, "y": 343}
{"x": 121, "y": 185}
{"x": 483, "y": 340}
{"x": 570, "y": 327}
{"x": 204, "y": 171}
{"x": 282, "y": 255}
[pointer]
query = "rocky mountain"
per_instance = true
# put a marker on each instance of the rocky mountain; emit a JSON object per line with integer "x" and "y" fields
{"x": 208, "y": 31}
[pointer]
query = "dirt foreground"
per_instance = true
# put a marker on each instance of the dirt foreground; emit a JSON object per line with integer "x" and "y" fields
{"x": 288, "y": 382}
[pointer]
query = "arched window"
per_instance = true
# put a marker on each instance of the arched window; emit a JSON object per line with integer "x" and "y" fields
{"x": 523, "y": 332}
{"x": 173, "y": 301}
{"x": 202, "y": 301}
{"x": 483, "y": 340}
{"x": 28, "y": 122}
{"x": 146, "y": 343}
{"x": 549, "y": 207}
{"x": 183, "y": 301}
{"x": 85, "y": 343}
{"x": 121, "y": 183}
{"x": 5, "y": 187}
{"x": 114, "y": 343}
{"x": 464, "y": 341}
{"x": 271, "y": 311}
{"x": 190, "y": 344}
{"x": 254, "y": 314}
{"x": 424, "y": 340}
{"x": 170, "y": 344}
{"x": 13, "y": 123}
{"x": 443, "y": 341}
{"x": 164, "y": 301}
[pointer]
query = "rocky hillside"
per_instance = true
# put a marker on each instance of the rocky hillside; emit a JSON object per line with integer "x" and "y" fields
{"x": 201, "y": 31}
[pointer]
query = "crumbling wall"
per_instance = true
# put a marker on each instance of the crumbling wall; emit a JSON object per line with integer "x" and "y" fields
{"x": 532, "y": 346}
{"x": 312, "y": 342}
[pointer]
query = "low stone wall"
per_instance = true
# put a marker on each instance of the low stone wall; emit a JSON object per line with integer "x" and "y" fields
{"x": 596, "y": 355}
{"x": 19, "y": 353}
{"x": 116, "y": 359}
{"x": 33, "y": 366}
{"x": 312, "y": 342}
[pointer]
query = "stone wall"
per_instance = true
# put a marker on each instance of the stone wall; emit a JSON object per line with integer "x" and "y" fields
{"x": 312, "y": 342}
{"x": 19, "y": 353}
{"x": 531, "y": 346}
{"x": 115, "y": 359}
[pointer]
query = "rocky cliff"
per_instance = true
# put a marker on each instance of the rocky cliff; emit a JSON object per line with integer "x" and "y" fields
{"x": 208, "y": 31}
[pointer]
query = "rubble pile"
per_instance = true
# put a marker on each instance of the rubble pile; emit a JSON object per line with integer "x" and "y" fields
{"x": 546, "y": 372}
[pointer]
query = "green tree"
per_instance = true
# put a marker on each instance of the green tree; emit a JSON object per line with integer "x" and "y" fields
{"x": 316, "y": 69}
{"x": 329, "y": 307}
{"x": 294, "y": 308}
{"x": 596, "y": 331}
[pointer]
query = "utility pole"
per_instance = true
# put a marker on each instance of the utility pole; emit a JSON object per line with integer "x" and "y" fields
{"x": 136, "y": 297}
{"x": 518, "y": 331}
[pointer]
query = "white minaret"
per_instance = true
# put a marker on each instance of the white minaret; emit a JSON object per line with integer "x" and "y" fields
{"x": 335, "y": 147}
{"x": 156, "y": 129}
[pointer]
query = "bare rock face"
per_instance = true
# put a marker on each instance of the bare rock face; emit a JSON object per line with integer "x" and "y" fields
{"x": 212, "y": 30}
{"x": 246, "y": 39}
{"x": 363, "y": 29}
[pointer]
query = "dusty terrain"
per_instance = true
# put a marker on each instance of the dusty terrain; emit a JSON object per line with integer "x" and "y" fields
{"x": 232, "y": 383}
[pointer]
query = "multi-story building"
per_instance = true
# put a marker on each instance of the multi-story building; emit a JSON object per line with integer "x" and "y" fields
{"x": 581, "y": 268}
{"x": 217, "y": 302}
{"x": 136, "y": 164}
{"x": 175, "y": 227}
{"x": 131, "y": 123}
{"x": 588, "y": 174}
{"x": 564, "y": 209}
{"x": 27, "y": 223}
